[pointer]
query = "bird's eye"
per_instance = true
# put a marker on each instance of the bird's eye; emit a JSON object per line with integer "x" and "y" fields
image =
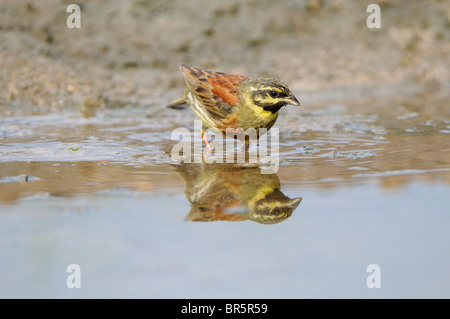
{"x": 273, "y": 93}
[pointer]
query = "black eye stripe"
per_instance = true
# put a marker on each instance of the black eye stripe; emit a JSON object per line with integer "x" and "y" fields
{"x": 278, "y": 93}
{"x": 274, "y": 93}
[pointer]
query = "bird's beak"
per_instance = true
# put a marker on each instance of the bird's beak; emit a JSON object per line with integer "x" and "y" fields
{"x": 292, "y": 100}
{"x": 293, "y": 203}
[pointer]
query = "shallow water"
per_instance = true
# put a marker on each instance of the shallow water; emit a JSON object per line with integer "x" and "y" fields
{"x": 353, "y": 188}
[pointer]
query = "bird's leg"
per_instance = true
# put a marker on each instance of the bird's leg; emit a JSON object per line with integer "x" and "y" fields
{"x": 205, "y": 138}
{"x": 208, "y": 150}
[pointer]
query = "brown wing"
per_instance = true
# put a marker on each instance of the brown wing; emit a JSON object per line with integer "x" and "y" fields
{"x": 209, "y": 213}
{"x": 216, "y": 91}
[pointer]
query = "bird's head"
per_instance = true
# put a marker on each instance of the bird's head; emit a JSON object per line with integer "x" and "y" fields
{"x": 273, "y": 208}
{"x": 268, "y": 94}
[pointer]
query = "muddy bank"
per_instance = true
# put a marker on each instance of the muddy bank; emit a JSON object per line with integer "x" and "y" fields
{"x": 125, "y": 53}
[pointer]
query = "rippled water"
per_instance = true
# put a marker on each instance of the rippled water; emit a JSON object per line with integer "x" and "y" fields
{"x": 356, "y": 185}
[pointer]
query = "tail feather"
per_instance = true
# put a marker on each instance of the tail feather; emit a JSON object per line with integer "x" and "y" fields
{"x": 178, "y": 104}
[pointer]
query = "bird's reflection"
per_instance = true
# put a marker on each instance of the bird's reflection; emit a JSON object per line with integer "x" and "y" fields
{"x": 235, "y": 193}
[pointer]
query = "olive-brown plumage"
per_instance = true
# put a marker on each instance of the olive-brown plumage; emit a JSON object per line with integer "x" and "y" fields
{"x": 235, "y": 193}
{"x": 225, "y": 101}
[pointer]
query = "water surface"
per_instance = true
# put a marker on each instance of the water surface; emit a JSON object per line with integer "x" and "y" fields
{"x": 356, "y": 186}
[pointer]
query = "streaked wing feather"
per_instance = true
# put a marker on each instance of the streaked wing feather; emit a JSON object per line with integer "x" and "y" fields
{"x": 216, "y": 91}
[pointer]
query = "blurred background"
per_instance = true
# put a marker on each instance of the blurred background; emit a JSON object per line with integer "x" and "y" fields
{"x": 126, "y": 52}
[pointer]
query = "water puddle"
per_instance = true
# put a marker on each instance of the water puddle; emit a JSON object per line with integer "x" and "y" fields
{"x": 105, "y": 190}
{"x": 65, "y": 154}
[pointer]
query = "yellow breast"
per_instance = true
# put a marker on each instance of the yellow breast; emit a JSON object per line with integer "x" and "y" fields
{"x": 252, "y": 115}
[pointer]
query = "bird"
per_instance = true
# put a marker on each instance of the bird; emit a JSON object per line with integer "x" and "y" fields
{"x": 228, "y": 101}
{"x": 228, "y": 192}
